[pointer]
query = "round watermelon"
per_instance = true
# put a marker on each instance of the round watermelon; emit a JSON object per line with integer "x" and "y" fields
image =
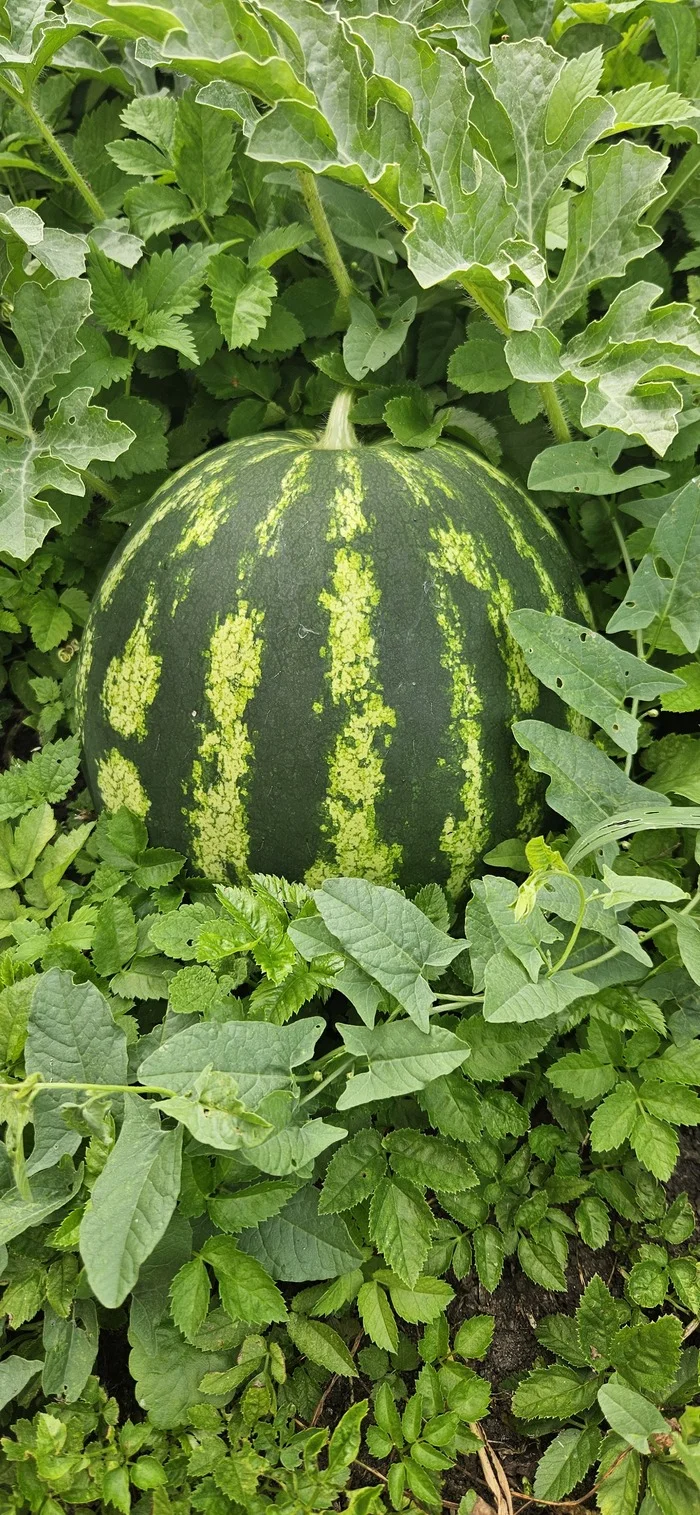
{"x": 298, "y": 660}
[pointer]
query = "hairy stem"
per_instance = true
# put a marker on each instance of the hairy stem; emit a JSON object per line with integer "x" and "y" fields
{"x": 322, "y": 228}
{"x": 555, "y": 414}
{"x": 70, "y": 169}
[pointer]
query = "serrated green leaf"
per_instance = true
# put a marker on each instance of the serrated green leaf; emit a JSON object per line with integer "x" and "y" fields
{"x": 246, "y": 1289}
{"x": 321, "y": 1344}
{"x": 352, "y": 1172}
{"x": 377, "y": 1317}
{"x": 401, "y": 1225}
{"x": 189, "y": 1297}
{"x": 565, "y": 1462}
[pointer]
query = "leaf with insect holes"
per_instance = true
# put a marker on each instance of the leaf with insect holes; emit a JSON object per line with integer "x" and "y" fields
{"x": 589, "y": 672}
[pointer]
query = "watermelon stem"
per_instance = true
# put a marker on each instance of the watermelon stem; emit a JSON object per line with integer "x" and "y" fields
{"x": 340, "y": 432}
{"x": 322, "y": 227}
{"x": 555, "y": 414}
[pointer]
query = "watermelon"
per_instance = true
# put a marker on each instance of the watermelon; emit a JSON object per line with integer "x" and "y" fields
{"x": 298, "y": 660}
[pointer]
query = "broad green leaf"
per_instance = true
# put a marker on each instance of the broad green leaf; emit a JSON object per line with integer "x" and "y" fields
{"x": 50, "y": 1190}
{"x": 321, "y": 1344}
{"x": 586, "y": 786}
{"x": 72, "y": 1036}
{"x": 389, "y": 937}
{"x": 367, "y": 344}
{"x": 299, "y": 1245}
{"x": 670, "y": 595}
{"x": 15, "y": 1373}
{"x": 645, "y": 104}
{"x": 604, "y": 231}
{"x": 377, "y": 1317}
{"x": 344, "y": 1445}
{"x": 541, "y": 1264}
{"x": 672, "y": 1490}
{"x": 498, "y": 1051}
{"x": 655, "y": 1144}
{"x": 619, "y": 357}
{"x": 566, "y": 1461}
{"x": 588, "y": 672}
{"x": 247, "y": 1291}
{"x": 132, "y": 1202}
{"x": 628, "y": 891}
{"x": 78, "y": 432}
{"x": 71, "y": 1348}
{"x": 511, "y": 995}
{"x": 619, "y": 1488}
{"x": 260, "y": 1056}
{"x": 352, "y": 1173}
{"x": 401, "y": 1058}
{"x": 582, "y": 467}
{"x": 401, "y": 1225}
{"x": 215, "y": 1115}
{"x": 688, "y": 937}
{"x": 554, "y": 115}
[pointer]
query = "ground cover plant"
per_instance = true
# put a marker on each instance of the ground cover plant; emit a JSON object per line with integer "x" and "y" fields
{"x": 330, "y": 1197}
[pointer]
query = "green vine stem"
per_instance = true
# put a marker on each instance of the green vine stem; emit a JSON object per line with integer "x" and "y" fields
{"x": 555, "y": 414}
{"x": 70, "y": 169}
{"x": 321, "y": 225}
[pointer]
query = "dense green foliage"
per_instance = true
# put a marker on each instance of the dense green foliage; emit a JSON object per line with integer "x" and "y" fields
{"x": 265, "y": 1138}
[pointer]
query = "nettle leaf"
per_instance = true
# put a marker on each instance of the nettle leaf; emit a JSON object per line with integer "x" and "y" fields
{"x": 321, "y": 1344}
{"x": 556, "y": 1393}
{"x": 664, "y": 586}
{"x": 587, "y": 671}
{"x": 401, "y": 1058}
{"x": 190, "y": 1293}
{"x": 401, "y": 1225}
{"x": 377, "y": 1317}
{"x": 132, "y": 1202}
{"x": 428, "y": 1161}
{"x": 390, "y": 938}
{"x": 566, "y": 1461}
{"x": 353, "y": 1172}
{"x": 247, "y": 1292}
{"x": 242, "y": 298}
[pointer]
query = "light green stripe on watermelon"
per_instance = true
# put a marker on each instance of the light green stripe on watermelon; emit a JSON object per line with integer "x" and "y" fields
{"x": 294, "y": 486}
{"x": 218, "y": 816}
{"x": 356, "y": 765}
{"x": 131, "y": 681}
{"x": 87, "y": 648}
{"x": 463, "y": 838}
{"x": 119, "y": 783}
